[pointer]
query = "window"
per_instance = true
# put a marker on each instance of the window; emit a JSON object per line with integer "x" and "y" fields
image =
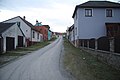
{"x": 88, "y": 12}
{"x": 33, "y": 34}
{"x": 38, "y": 36}
{"x": 108, "y": 12}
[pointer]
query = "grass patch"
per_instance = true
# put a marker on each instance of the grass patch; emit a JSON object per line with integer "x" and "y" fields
{"x": 86, "y": 67}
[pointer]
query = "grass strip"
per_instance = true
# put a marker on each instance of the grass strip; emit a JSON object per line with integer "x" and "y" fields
{"x": 84, "y": 66}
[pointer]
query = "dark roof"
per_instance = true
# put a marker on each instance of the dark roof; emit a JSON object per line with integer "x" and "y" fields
{"x": 97, "y": 4}
{"x": 47, "y": 26}
{"x": 5, "y": 26}
{"x": 71, "y": 28}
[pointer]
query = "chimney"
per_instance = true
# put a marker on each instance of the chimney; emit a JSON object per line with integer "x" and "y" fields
{"x": 36, "y": 21}
{"x": 24, "y": 17}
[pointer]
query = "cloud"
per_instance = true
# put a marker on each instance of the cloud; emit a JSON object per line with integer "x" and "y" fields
{"x": 56, "y": 13}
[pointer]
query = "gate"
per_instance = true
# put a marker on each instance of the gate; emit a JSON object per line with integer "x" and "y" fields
{"x": 103, "y": 43}
{"x": 92, "y": 43}
{"x": 117, "y": 44}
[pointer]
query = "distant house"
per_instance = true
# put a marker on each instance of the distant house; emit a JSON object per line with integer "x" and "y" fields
{"x": 31, "y": 34}
{"x": 11, "y": 36}
{"x": 91, "y": 18}
{"x": 71, "y": 34}
{"x": 43, "y": 29}
{"x": 49, "y": 34}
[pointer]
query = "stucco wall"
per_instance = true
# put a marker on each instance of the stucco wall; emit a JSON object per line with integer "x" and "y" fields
{"x": 94, "y": 27}
{"x": 36, "y": 39}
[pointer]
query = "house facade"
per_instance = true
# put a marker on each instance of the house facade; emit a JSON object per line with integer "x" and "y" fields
{"x": 49, "y": 34}
{"x": 90, "y": 19}
{"x": 28, "y": 29}
{"x": 71, "y": 34}
{"x": 44, "y": 30}
{"x": 10, "y": 37}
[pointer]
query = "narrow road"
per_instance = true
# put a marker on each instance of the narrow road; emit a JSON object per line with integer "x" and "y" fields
{"x": 43, "y": 64}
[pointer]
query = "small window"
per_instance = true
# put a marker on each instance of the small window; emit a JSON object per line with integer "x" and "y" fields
{"x": 38, "y": 36}
{"x": 33, "y": 34}
{"x": 108, "y": 12}
{"x": 88, "y": 12}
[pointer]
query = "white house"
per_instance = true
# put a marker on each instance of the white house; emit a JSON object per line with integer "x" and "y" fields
{"x": 10, "y": 37}
{"x": 31, "y": 34}
{"x": 90, "y": 18}
{"x": 71, "y": 34}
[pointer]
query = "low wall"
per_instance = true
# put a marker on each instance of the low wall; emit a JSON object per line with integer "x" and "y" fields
{"x": 110, "y": 58}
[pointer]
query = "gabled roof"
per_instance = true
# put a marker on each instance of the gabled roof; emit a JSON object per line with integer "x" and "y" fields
{"x": 5, "y": 26}
{"x": 28, "y": 23}
{"x": 97, "y": 4}
{"x": 71, "y": 28}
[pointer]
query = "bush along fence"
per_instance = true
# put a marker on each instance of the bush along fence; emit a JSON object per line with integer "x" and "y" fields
{"x": 105, "y": 48}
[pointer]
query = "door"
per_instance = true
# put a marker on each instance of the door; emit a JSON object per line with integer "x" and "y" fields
{"x": 1, "y": 45}
{"x": 20, "y": 41}
{"x": 10, "y": 42}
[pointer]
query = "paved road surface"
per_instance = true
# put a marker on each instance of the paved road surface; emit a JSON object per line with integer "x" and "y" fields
{"x": 43, "y": 64}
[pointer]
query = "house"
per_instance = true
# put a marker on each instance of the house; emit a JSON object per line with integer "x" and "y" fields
{"x": 90, "y": 19}
{"x": 49, "y": 34}
{"x": 43, "y": 29}
{"x": 71, "y": 33}
{"x": 31, "y": 34}
{"x": 11, "y": 36}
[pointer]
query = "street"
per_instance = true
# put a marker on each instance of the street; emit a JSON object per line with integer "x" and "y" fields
{"x": 43, "y": 64}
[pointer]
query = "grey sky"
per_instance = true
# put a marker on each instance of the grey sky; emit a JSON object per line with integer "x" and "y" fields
{"x": 56, "y": 13}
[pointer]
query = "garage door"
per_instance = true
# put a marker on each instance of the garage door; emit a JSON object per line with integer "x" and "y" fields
{"x": 10, "y": 42}
{"x": 20, "y": 41}
{"x": 1, "y": 45}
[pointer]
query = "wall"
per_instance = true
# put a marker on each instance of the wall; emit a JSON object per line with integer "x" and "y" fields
{"x": 112, "y": 59}
{"x": 109, "y": 57}
{"x": 36, "y": 39}
{"x": 44, "y": 31}
{"x": 94, "y": 27}
{"x": 49, "y": 35}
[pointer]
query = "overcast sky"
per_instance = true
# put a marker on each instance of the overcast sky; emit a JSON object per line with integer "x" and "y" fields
{"x": 55, "y": 13}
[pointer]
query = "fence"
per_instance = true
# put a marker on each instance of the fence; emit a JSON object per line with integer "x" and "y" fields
{"x": 92, "y": 43}
{"x": 103, "y": 43}
{"x": 117, "y": 44}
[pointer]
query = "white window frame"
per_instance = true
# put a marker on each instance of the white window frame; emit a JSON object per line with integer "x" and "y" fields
{"x": 106, "y": 12}
{"x": 90, "y": 13}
